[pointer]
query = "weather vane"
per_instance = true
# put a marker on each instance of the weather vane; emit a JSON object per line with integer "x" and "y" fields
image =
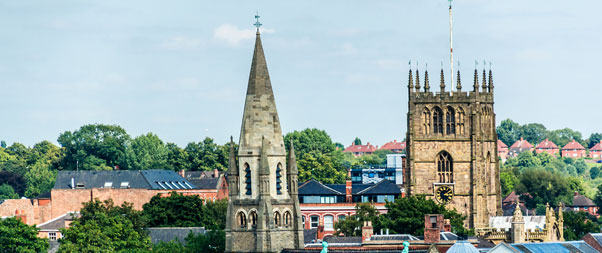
{"x": 257, "y": 23}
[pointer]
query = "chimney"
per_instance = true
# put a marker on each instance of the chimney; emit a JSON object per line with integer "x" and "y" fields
{"x": 116, "y": 167}
{"x": 72, "y": 183}
{"x": 446, "y": 225}
{"x": 20, "y": 215}
{"x": 433, "y": 225}
{"x": 182, "y": 173}
{"x": 215, "y": 173}
{"x": 348, "y": 187}
{"x": 576, "y": 193}
{"x": 367, "y": 231}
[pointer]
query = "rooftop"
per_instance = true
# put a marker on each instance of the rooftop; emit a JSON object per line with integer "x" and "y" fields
{"x": 573, "y": 145}
{"x": 122, "y": 179}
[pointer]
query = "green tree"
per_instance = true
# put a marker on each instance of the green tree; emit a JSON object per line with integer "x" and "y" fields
{"x": 508, "y": 181}
{"x": 177, "y": 158}
{"x": 2, "y": 144}
{"x": 508, "y": 131}
{"x": 178, "y": 210}
{"x": 598, "y": 198}
{"x": 352, "y": 225}
{"x": 578, "y": 224}
{"x": 594, "y": 172}
{"x": 357, "y": 141}
{"x": 146, "y": 152}
{"x": 543, "y": 187}
{"x": 534, "y": 133}
{"x": 323, "y": 168}
{"x": 15, "y": 236}
{"x": 16, "y": 181}
{"x": 563, "y": 136}
{"x": 527, "y": 160}
{"x": 580, "y": 166}
{"x": 104, "y": 227}
{"x": 406, "y": 215}
{"x": 94, "y": 146}
{"x": 206, "y": 155}
{"x": 46, "y": 152}
{"x": 40, "y": 179}
{"x": 7, "y": 192}
{"x": 594, "y": 139}
{"x": 212, "y": 241}
{"x": 309, "y": 140}
{"x": 172, "y": 246}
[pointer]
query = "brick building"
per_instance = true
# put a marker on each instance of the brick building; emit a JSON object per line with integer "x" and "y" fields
{"x": 548, "y": 147}
{"x": 583, "y": 203}
{"x": 211, "y": 185}
{"x": 395, "y": 146}
{"x": 502, "y": 150}
{"x": 359, "y": 150}
{"x": 596, "y": 151}
{"x": 573, "y": 149}
{"x": 452, "y": 147}
{"x": 519, "y": 146}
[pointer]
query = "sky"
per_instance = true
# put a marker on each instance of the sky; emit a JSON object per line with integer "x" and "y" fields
{"x": 180, "y": 69}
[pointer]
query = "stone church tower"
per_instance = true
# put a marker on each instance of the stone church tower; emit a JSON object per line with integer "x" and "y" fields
{"x": 452, "y": 151}
{"x": 263, "y": 207}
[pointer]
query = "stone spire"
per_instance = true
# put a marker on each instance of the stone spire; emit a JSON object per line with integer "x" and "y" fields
{"x": 560, "y": 216}
{"x": 476, "y": 81}
{"x": 427, "y": 86}
{"x": 417, "y": 80}
{"x": 232, "y": 171}
{"x": 484, "y": 86}
{"x": 410, "y": 81}
{"x": 459, "y": 85}
{"x": 517, "y": 216}
{"x": 490, "y": 81}
{"x": 442, "y": 84}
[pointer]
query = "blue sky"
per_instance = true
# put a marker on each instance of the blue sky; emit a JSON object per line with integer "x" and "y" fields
{"x": 180, "y": 68}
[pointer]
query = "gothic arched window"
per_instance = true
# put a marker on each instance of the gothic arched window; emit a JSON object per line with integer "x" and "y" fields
{"x": 253, "y": 218}
{"x": 241, "y": 218}
{"x": 450, "y": 121}
{"x": 279, "y": 179}
{"x": 445, "y": 167}
{"x": 460, "y": 120}
{"x": 426, "y": 121}
{"x": 488, "y": 172}
{"x": 287, "y": 218}
{"x": 437, "y": 120}
{"x": 277, "y": 220}
{"x": 248, "y": 179}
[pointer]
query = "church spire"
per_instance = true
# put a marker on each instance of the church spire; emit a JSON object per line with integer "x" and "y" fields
{"x": 490, "y": 80}
{"x": 427, "y": 87}
{"x": 410, "y": 81}
{"x": 484, "y": 86}
{"x": 442, "y": 84}
{"x": 476, "y": 80}
{"x": 417, "y": 80}
{"x": 459, "y": 85}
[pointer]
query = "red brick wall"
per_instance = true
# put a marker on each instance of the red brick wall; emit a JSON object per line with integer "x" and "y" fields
{"x": 552, "y": 152}
{"x": 18, "y": 207}
{"x": 597, "y": 155}
{"x": 589, "y": 239}
{"x": 573, "y": 153}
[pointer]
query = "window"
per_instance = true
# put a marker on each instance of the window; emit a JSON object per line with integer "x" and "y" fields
{"x": 328, "y": 222}
{"x": 125, "y": 185}
{"x": 287, "y": 218}
{"x": 311, "y": 199}
{"x": 384, "y": 198}
{"x": 327, "y": 199}
{"x": 248, "y": 179}
{"x": 277, "y": 220}
{"x": 356, "y": 176}
{"x": 242, "y": 219}
{"x": 426, "y": 121}
{"x": 437, "y": 120}
{"x": 445, "y": 169}
{"x": 460, "y": 120}
{"x": 253, "y": 217}
{"x": 450, "y": 121}
{"x": 433, "y": 220}
{"x": 314, "y": 220}
{"x": 342, "y": 217}
{"x": 52, "y": 236}
{"x": 303, "y": 221}
{"x": 108, "y": 184}
{"x": 79, "y": 185}
{"x": 279, "y": 179}
{"x": 371, "y": 175}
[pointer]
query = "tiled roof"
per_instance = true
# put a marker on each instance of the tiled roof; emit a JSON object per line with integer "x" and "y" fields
{"x": 560, "y": 247}
{"x": 580, "y": 200}
{"x": 313, "y": 187}
{"x": 547, "y": 144}
{"x": 394, "y": 145}
{"x": 501, "y": 144}
{"x": 360, "y": 148}
{"x": 511, "y": 198}
{"x": 573, "y": 145}
{"x": 58, "y": 222}
{"x": 309, "y": 235}
{"x": 597, "y": 237}
{"x": 168, "y": 234}
{"x": 522, "y": 143}
{"x": 597, "y": 147}
{"x": 116, "y": 179}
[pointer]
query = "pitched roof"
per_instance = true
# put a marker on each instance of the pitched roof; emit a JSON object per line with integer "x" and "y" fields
{"x": 313, "y": 187}
{"x": 360, "y": 148}
{"x": 597, "y": 237}
{"x": 204, "y": 179}
{"x": 131, "y": 179}
{"x": 58, "y": 222}
{"x": 580, "y": 200}
{"x": 511, "y": 198}
{"x": 522, "y": 143}
{"x": 382, "y": 187}
{"x": 501, "y": 144}
{"x": 573, "y": 145}
{"x": 547, "y": 144}
{"x": 394, "y": 145}
{"x": 462, "y": 247}
{"x": 597, "y": 147}
{"x": 167, "y": 234}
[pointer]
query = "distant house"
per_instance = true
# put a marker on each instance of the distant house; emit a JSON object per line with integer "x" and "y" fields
{"x": 394, "y": 146}
{"x": 518, "y": 147}
{"x": 359, "y": 150}
{"x": 51, "y": 229}
{"x": 502, "y": 150}
{"x": 596, "y": 151}
{"x": 573, "y": 149}
{"x": 547, "y": 146}
{"x": 583, "y": 203}
{"x": 211, "y": 185}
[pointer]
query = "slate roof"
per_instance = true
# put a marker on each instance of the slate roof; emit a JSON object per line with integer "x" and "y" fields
{"x": 309, "y": 235}
{"x": 580, "y": 200}
{"x": 168, "y": 234}
{"x": 313, "y": 187}
{"x": 382, "y": 187}
{"x": 597, "y": 147}
{"x": 597, "y": 237}
{"x": 560, "y": 247}
{"x": 360, "y": 148}
{"x": 58, "y": 222}
{"x": 573, "y": 145}
{"x": 343, "y": 239}
{"x": 205, "y": 183}
{"x": 131, "y": 179}
{"x": 547, "y": 144}
{"x": 462, "y": 247}
{"x": 394, "y": 145}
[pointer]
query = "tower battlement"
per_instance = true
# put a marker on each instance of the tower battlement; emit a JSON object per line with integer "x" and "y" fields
{"x": 481, "y": 90}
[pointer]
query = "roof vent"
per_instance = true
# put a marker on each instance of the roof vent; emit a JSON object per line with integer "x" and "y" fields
{"x": 108, "y": 184}
{"x": 125, "y": 185}
{"x": 79, "y": 185}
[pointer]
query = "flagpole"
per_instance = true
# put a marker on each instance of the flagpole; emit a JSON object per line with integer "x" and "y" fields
{"x": 451, "y": 46}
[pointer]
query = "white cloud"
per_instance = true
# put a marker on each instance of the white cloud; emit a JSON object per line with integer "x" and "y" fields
{"x": 182, "y": 43}
{"x": 233, "y": 35}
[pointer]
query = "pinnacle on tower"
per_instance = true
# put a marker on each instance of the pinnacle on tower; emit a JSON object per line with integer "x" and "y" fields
{"x": 442, "y": 84}
{"x": 232, "y": 168}
{"x": 417, "y": 80}
{"x": 264, "y": 166}
{"x": 459, "y": 85}
{"x": 476, "y": 81}
{"x": 490, "y": 81}
{"x": 484, "y": 86}
{"x": 410, "y": 81}
{"x": 292, "y": 160}
{"x": 427, "y": 87}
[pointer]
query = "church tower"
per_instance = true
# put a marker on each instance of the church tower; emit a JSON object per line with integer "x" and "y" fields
{"x": 452, "y": 151}
{"x": 263, "y": 207}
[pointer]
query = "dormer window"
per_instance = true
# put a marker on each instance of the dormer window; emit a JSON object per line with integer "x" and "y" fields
{"x": 125, "y": 185}
{"x": 108, "y": 184}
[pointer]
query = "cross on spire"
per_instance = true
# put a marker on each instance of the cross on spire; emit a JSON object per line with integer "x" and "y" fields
{"x": 257, "y": 23}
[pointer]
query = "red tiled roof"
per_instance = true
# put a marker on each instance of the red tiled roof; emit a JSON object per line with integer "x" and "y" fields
{"x": 360, "y": 148}
{"x": 547, "y": 144}
{"x": 597, "y": 147}
{"x": 522, "y": 143}
{"x": 511, "y": 198}
{"x": 580, "y": 200}
{"x": 501, "y": 144}
{"x": 393, "y": 145}
{"x": 573, "y": 145}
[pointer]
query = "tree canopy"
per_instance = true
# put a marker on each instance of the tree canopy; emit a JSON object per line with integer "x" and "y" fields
{"x": 177, "y": 210}
{"x": 16, "y": 236}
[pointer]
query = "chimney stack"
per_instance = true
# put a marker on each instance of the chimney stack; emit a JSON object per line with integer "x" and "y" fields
{"x": 367, "y": 231}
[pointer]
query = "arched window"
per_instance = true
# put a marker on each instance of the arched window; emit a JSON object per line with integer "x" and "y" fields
{"x": 445, "y": 167}
{"x": 450, "y": 121}
{"x": 460, "y": 120}
{"x": 279, "y": 179}
{"x": 328, "y": 222}
{"x": 489, "y": 173}
{"x": 426, "y": 121}
{"x": 437, "y": 120}
{"x": 248, "y": 179}
{"x": 287, "y": 218}
{"x": 241, "y": 218}
{"x": 277, "y": 220}
{"x": 253, "y": 218}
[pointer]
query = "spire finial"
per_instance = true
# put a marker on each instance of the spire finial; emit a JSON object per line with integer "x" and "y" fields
{"x": 427, "y": 86}
{"x": 459, "y": 85}
{"x": 484, "y": 83}
{"x": 490, "y": 86}
{"x": 417, "y": 78}
{"x": 410, "y": 78}
{"x": 257, "y": 23}
{"x": 442, "y": 84}
{"x": 476, "y": 77}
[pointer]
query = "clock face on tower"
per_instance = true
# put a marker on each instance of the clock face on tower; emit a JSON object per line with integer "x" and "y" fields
{"x": 444, "y": 194}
